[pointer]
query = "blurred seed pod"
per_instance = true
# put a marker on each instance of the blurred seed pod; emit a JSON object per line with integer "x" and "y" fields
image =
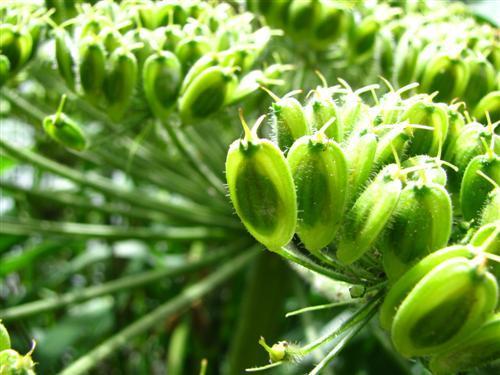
{"x": 4, "y": 338}
{"x": 13, "y": 363}
{"x": 332, "y": 22}
{"x": 161, "y": 78}
{"x": 4, "y": 69}
{"x": 302, "y": 17}
{"x": 448, "y": 304}
{"x": 488, "y": 104}
{"x": 92, "y": 68}
{"x": 16, "y": 44}
{"x": 369, "y": 216}
{"x": 404, "y": 285}
{"x": 261, "y": 188}
{"x": 421, "y": 224}
{"x": 319, "y": 171}
{"x": 362, "y": 38}
{"x": 481, "y": 82}
{"x": 64, "y": 56}
{"x": 189, "y": 50}
{"x": 477, "y": 350}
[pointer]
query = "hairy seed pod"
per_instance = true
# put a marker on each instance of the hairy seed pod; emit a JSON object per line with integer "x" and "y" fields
{"x": 319, "y": 171}
{"x": 431, "y": 171}
{"x": 355, "y": 115}
{"x": 64, "y": 57}
{"x": 320, "y": 109}
{"x": 487, "y": 240}
{"x": 360, "y": 153}
{"x": 13, "y": 363}
{"x": 447, "y": 305}
{"x": 120, "y": 81}
{"x": 288, "y": 121}
{"x": 161, "y": 79}
{"x": 425, "y": 141}
{"x": 208, "y": 92}
{"x": 4, "y": 338}
{"x": 261, "y": 188}
{"x": 479, "y": 349}
{"x": 64, "y": 130}
{"x": 488, "y": 104}
{"x": 475, "y": 188}
{"x": 15, "y": 43}
{"x": 491, "y": 209}
{"x": 445, "y": 74}
{"x": 4, "y": 69}
{"x": 369, "y": 215}
{"x": 404, "y": 285}
{"x": 396, "y": 139}
{"x": 92, "y": 67}
{"x": 421, "y": 224}
{"x": 481, "y": 82}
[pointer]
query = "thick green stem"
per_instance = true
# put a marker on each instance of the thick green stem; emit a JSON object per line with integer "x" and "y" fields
{"x": 182, "y": 301}
{"x": 124, "y": 283}
{"x": 30, "y": 227}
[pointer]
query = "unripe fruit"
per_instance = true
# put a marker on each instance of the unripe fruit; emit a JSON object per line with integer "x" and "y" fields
{"x": 481, "y": 82}
{"x": 320, "y": 109}
{"x": 4, "y": 69}
{"x": 4, "y": 338}
{"x": 430, "y": 170}
{"x": 92, "y": 68}
{"x": 488, "y": 104}
{"x": 64, "y": 57}
{"x": 15, "y": 43}
{"x": 491, "y": 209}
{"x": 261, "y": 188}
{"x": 13, "y": 363}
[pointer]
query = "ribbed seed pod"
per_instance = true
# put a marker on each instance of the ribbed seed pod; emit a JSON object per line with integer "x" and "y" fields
{"x": 206, "y": 94}
{"x": 360, "y": 154}
{"x": 426, "y": 141}
{"x": 491, "y": 209}
{"x": 64, "y": 56}
{"x": 445, "y": 74}
{"x": 161, "y": 79}
{"x": 481, "y": 82}
{"x": 4, "y": 338}
{"x": 15, "y": 43}
{"x": 369, "y": 215}
{"x": 319, "y": 171}
{"x": 288, "y": 121}
{"x": 421, "y": 224}
{"x": 261, "y": 188}
{"x": 447, "y": 305}
{"x": 92, "y": 67}
{"x": 120, "y": 81}
{"x": 488, "y": 104}
{"x": 64, "y": 130}
{"x": 404, "y": 285}
{"x": 320, "y": 109}
{"x": 475, "y": 188}
{"x": 4, "y": 69}
{"x": 479, "y": 349}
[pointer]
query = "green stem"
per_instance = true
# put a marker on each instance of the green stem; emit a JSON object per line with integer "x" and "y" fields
{"x": 181, "y": 209}
{"x": 29, "y": 227}
{"x": 180, "y": 302}
{"x": 124, "y": 283}
{"x": 24, "y": 105}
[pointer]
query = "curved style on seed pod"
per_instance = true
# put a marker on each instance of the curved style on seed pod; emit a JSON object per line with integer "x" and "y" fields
{"x": 261, "y": 188}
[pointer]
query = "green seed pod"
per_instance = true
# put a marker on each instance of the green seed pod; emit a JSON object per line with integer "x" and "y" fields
{"x": 488, "y": 104}
{"x": 475, "y": 188}
{"x": 4, "y": 338}
{"x": 206, "y": 94}
{"x": 120, "y": 82}
{"x": 403, "y": 286}
{"x": 189, "y": 50}
{"x": 320, "y": 109}
{"x": 395, "y": 141}
{"x": 275, "y": 12}
{"x": 362, "y": 38}
{"x": 92, "y": 67}
{"x": 173, "y": 35}
{"x": 64, "y": 57}
{"x": 13, "y": 363}
{"x": 421, "y": 224}
{"x": 4, "y": 69}
{"x": 456, "y": 123}
{"x": 447, "y": 305}
{"x": 431, "y": 170}
{"x": 406, "y": 56}
{"x": 302, "y": 16}
{"x": 161, "y": 77}
{"x": 288, "y": 121}
{"x": 424, "y": 141}
{"x": 487, "y": 240}
{"x": 331, "y": 24}
{"x": 491, "y": 209}
{"x": 15, "y": 43}
{"x": 445, "y": 74}
{"x": 479, "y": 349}
{"x": 319, "y": 171}
{"x": 64, "y": 130}
{"x": 369, "y": 215}
{"x": 360, "y": 153}
{"x": 208, "y": 61}
{"x": 481, "y": 82}
{"x": 146, "y": 39}
{"x": 261, "y": 188}
{"x": 111, "y": 38}
{"x": 355, "y": 114}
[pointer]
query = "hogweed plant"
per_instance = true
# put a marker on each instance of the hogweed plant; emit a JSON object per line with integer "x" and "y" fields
{"x": 131, "y": 194}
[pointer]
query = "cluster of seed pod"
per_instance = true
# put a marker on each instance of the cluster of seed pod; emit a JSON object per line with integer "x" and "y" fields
{"x": 406, "y": 41}
{"x": 179, "y": 54}
{"x": 11, "y": 362}
{"x": 21, "y": 29}
{"x": 368, "y": 189}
